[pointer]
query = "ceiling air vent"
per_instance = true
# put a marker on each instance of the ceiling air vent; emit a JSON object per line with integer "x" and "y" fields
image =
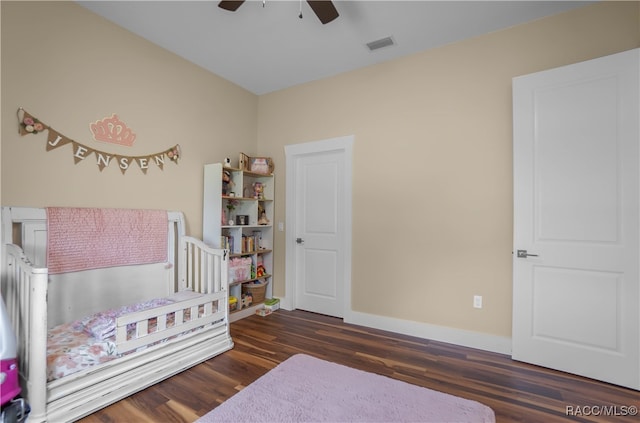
{"x": 382, "y": 42}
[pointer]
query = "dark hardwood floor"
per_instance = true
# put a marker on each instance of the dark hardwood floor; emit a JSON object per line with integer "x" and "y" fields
{"x": 517, "y": 392}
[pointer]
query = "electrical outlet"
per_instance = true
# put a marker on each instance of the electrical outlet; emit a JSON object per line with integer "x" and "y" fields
{"x": 477, "y": 301}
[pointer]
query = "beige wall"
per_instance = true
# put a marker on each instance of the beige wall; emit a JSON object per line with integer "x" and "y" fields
{"x": 432, "y": 182}
{"x": 433, "y": 143}
{"x": 69, "y": 67}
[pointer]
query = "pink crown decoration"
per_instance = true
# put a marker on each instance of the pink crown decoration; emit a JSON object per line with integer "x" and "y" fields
{"x": 113, "y": 130}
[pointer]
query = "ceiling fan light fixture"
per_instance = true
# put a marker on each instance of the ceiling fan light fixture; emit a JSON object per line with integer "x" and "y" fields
{"x": 382, "y": 42}
{"x": 324, "y": 9}
{"x": 230, "y": 5}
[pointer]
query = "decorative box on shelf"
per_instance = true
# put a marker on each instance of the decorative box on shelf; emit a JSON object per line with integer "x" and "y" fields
{"x": 239, "y": 269}
{"x": 261, "y": 165}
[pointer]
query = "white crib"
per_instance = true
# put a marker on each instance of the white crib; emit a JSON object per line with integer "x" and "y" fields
{"x": 195, "y": 278}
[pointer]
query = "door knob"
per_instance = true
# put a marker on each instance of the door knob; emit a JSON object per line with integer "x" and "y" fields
{"x": 300, "y": 241}
{"x": 524, "y": 254}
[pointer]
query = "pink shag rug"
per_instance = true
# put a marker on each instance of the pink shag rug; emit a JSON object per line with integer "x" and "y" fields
{"x": 307, "y": 389}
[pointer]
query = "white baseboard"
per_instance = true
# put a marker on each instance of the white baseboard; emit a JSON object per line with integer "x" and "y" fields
{"x": 465, "y": 338}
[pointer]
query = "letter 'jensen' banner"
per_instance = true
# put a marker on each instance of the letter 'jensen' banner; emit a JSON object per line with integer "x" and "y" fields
{"x": 108, "y": 130}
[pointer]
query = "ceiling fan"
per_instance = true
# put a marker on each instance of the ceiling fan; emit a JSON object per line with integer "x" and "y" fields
{"x": 324, "y": 9}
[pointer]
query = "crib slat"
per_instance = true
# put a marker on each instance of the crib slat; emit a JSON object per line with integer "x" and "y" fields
{"x": 196, "y": 268}
{"x": 162, "y": 322}
{"x": 189, "y": 269}
{"x": 121, "y": 334}
{"x": 211, "y": 277}
{"x": 142, "y": 329}
{"x": 204, "y": 287}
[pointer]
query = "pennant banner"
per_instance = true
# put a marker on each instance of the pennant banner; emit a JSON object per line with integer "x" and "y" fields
{"x": 31, "y": 125}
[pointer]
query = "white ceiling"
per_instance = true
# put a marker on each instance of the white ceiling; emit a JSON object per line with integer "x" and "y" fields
{"x": 264, "y": 49}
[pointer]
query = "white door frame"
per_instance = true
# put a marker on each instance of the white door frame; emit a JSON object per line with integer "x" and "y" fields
{"x": 345, "y": 146}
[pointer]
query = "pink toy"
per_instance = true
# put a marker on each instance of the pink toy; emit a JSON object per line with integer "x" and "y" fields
{"x": 12, "y": 407}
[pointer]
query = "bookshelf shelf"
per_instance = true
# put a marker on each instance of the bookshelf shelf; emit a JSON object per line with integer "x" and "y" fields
{"x": 266, "y": 276}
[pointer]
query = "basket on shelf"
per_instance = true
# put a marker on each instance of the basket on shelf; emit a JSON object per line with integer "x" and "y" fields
{"x": 256, "y": 289}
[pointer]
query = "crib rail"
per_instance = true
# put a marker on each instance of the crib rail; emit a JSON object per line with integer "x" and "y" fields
{"x": 24, "y": 290}
{"x": 145, "y": 328}
{"x": 205, "y": 269}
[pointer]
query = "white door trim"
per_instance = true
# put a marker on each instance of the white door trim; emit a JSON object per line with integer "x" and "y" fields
{"x": 344, "y": 145}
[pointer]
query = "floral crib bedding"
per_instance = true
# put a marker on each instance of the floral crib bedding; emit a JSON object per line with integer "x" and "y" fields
{"x": 78, "y": 345}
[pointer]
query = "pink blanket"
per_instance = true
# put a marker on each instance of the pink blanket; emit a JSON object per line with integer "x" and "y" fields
{"x": 92, "y": 238}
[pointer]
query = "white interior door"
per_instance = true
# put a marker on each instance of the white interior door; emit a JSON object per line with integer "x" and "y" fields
{"x": 319, "y": 226}
{"x": 576, "y": 181}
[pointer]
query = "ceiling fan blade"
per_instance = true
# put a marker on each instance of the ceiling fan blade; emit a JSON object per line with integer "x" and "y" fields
{"x": 324, "y": 10}
{"x": 231, "y": 6}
